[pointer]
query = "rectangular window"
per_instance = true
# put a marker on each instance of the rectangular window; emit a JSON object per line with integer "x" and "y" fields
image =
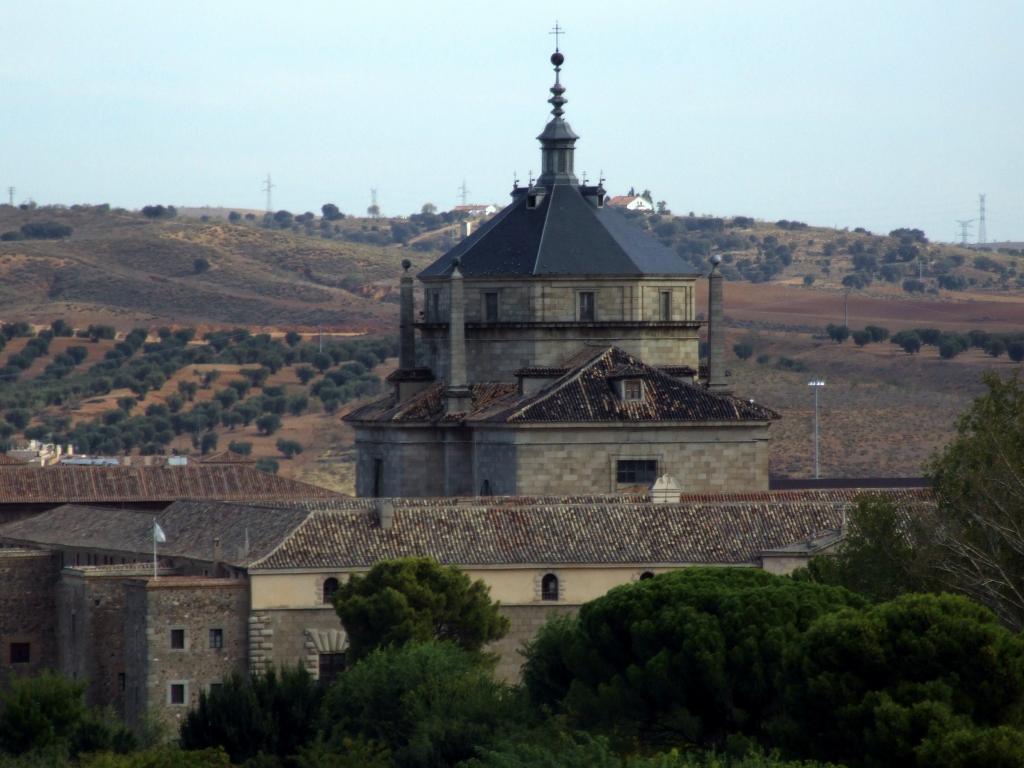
{"x": 330, "y": 666}
{"x": 121, "y": 683}
{"x": 21, "y": 653}
{"x": 177, "y": 639}
{"x": 632, "y": 389}
{"x": 636, "y": 471}
{"x": 434, "y": 306}
{"x": 665, "y": 303}
{"x": 216, "y": 638}
{"x": 586, "y": 305}
{"x": 491, "y": 307}
{"x": 176, "y": 693}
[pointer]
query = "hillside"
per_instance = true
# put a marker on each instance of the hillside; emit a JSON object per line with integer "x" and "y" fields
{"x": 884, "y": 411}
{"x": 123, "y": 268}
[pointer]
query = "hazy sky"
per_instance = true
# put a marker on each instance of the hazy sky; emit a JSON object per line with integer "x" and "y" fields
{"x": 869, "y": 113}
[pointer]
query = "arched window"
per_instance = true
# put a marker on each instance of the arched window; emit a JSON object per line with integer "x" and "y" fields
{"x": 549, "y": 587}
{"x": 330, "y": 587}
{"x": 646, "y": 575}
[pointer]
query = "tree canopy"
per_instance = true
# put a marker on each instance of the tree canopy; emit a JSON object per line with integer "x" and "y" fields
{"x": 416, "y": 599}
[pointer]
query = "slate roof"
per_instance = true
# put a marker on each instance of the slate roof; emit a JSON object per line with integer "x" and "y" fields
{"x": 564, "y": 235}
{"x": 727, "y": 531}
{"x": 585, "y": 394}
{"x": 190, "y": 526}
{"x": 65, "y": 483}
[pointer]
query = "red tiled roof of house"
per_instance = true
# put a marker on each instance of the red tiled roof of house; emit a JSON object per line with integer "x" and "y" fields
{"x": 10, "y": 461}
{"x": 63, "y": 483}
{"x": 729, "y": 529}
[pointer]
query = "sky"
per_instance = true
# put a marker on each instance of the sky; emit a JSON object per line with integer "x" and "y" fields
{"x": 874, "y": 113}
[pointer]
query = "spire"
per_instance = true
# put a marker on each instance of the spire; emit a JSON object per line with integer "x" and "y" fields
{"x": 558, "y": 141}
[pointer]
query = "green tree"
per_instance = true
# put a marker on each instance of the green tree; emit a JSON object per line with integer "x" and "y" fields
{"x": 878, "y": 333}
{"x": 884, "y": 552}
{"x": 330, "y": 212}
{"x": 208, "y": 442}
{"x": 267, "y": 465}
{"x": 289, "y": 448}
{"x": 304, "y": 373}
{"x": 160, "y": 757}
{"x": 270, "y": 714}
{"x": 18, "y": 417}
{"x": 838, "y": 333}
{"x": 743, "y": 350}
{"x": 297, "y": 404}
{"x": 47, "y": 714}
{"x": 878, "y": 687}
{"x": 686, "y": 658}
{"x": 416, "y": 599}
{"x": 429, "y": 704}
{"x": 979, "y": 483}
{"x": 268, "y": 423}
{"x": 242, "y": 448}
{"x": 860, "y": 338}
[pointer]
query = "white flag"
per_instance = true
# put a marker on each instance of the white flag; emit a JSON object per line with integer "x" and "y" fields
{"x": 158, "y": 533}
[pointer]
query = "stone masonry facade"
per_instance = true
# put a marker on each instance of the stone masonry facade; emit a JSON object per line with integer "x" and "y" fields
{"x": 27, "y": 585}
{"x": 182, "y": 636}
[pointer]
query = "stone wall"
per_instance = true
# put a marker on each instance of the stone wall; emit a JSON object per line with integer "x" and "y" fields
{"x": 524, "y": 621}
{"x": 27, "y": 603}
{"x": 155, "y": 607}
{"x": 413, "y": 461}
{"x": 582, "y": 459}
{"x": 90, "y": 630}
{"x": 290, "y": 636}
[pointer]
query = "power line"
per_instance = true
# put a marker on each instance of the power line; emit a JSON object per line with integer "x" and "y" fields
{"x": 464, "y": 192}
{"x": 982, "y": 235}
{"x": 267, "y": 186}
{"x": 965, "y": 224}
{"x": 10, "y": 196}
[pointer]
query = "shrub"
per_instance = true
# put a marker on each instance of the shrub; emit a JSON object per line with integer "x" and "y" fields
{"x": 289, "y": 448}
{"x": 860, "y": 338}
{"x": 913, "y": 286}
{"x": 267, "y": 465}
{"x": 200, "y": 265}
{"x": 743, "y": 350}
{"x": 268, "y": 423}
{"x": 45, "y": 230}
{"x": 242, "y": 448}
{"x": 838, "y": 333}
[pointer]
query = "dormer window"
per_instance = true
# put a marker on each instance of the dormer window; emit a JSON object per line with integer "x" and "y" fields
{"x": 600, "y": 201}
{"x": 632, "y": 390}
{"x": 531, "y": 201}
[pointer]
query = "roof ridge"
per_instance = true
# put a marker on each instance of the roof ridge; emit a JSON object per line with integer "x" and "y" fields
{"x": 544, "y": 230}
{"x": 288, "y": 536}
{"x": 561, "y": 382}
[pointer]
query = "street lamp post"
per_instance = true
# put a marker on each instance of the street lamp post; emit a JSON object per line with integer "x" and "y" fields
{"x": 816, "y": 384}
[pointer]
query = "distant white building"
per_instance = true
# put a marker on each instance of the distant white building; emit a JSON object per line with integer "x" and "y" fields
{"x": 631, "y": 203}
{"x": 477, "y": 209}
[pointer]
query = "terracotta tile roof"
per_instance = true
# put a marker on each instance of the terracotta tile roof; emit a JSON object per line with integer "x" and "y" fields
{"x": 428, "y": 405}
{"x": 585, "y": 393}
{"x": 724, "y": 531}
{"x": 190, "y": 526}
{"x": 10, "y": 461}
{"x": 63, "y": 483}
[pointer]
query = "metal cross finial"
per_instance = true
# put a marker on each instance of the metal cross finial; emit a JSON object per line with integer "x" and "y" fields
{"x": 556, "y": 31}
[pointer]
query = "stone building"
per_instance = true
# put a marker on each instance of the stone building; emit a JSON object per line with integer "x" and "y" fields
{"x": 244, "y": 587}
{"x": 557, "y": 352}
